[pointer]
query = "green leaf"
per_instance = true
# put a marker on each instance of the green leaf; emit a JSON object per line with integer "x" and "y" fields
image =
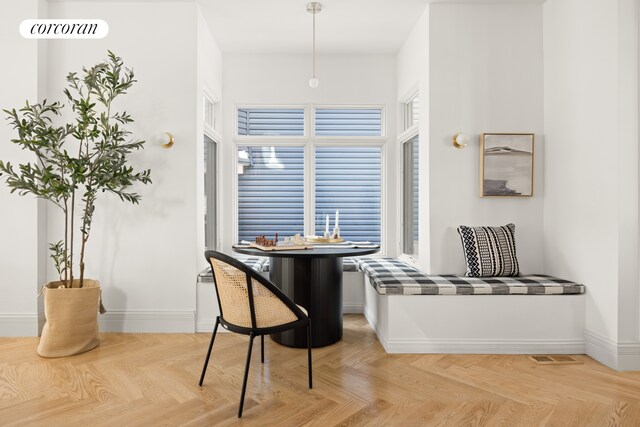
{"x": 89, "y": 155}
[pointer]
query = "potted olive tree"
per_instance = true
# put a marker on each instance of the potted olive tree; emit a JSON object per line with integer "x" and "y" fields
{"x": 73, "y": 164}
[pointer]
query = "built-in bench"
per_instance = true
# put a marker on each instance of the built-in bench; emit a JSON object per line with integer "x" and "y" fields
{"x": 261, "y": 265}
{"x": 390, "y": 276}
{"x": 413, "y": 312}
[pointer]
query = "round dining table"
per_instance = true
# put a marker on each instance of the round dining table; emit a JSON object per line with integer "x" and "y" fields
{"x": 312, "y": 278}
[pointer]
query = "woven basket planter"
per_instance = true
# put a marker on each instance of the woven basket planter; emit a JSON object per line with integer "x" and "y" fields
{"x": 71, "y": 319}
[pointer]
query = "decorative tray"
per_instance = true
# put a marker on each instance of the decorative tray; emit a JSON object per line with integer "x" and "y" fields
{"x": 280, "y": 247}
{"x": 323, "y": 240}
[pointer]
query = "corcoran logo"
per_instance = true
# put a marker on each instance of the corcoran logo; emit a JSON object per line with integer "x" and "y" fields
{"x": 64, "y": 28}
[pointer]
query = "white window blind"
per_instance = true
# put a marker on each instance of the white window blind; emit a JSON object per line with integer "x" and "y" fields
{"x": 271, "y": 192}
{"x": 348, "y": 179}
{"x": 348, "y": 122}
{"x": 271, "y": 121}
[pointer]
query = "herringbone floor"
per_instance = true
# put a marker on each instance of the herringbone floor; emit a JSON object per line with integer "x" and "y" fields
{"x": 151, "y": 380}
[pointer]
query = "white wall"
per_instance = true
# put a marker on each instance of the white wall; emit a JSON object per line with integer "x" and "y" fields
{"x": 22, "y": 226}
{"x": 147, "y": 256}
{"x": 282, "y": 79}
{"x": 628, "y": 214}
{"x": 209, "y": 81}
{"x": 591, "y": 124}
{"x": 413, "y": 74}
{"x": 484, "y": 75}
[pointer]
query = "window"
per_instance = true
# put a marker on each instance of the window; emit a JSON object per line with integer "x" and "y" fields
{"x": 412, "y": 111}
{"x": 410, "y": 196}
{"x": 270, "y": 191}
{"x": 348, "y": 122}
{"x": 210, "y": 190}
{"x": 289, "y": 187}
{"x": 271, "y": 121}
{"x": 348, "y": 179}
{"x": 209, "y": 113}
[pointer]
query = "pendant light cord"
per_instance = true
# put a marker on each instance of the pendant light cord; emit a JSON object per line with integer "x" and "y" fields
{"x": 314, "y": 7}
{"x": 314, "y": 43}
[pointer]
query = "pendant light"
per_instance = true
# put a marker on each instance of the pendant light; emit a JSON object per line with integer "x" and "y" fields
{"x": 314, "y": 8}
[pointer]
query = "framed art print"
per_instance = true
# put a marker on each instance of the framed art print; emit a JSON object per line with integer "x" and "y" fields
{"x": 506, "y": 165}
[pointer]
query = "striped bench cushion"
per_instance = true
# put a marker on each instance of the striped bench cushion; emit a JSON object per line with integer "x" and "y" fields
{"x": 205, "y": 275}
{"x": 387, "y": 267}
{"x": 391, "y": 276}
{"x": 253, "y": 262}
{"x": 348, "y": 264}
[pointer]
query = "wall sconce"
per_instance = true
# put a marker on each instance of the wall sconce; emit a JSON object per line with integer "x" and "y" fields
{"x": 169, "y": 142}
{"x": 460, "y": 140}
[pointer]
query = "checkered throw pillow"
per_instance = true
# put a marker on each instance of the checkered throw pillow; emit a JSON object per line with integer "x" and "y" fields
{"x": 490, "y": 251}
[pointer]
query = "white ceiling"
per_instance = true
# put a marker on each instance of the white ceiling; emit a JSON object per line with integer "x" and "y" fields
{"x": 284, "y": 26}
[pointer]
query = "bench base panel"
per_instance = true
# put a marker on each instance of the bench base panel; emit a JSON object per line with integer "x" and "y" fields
{"x": 477, "y": 324}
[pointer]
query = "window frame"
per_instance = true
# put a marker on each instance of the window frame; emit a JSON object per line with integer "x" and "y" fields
{"x": 206, "y": 97}
{"x": 215, "y": 136}
{"x": 215, "y": 141}
{"x": 310, "y": 141}
{"x": 212, "y": 133}
{"x": 406, "y": 111}
{"x": 406, "y": 138}
{"x": 406, "y": 135}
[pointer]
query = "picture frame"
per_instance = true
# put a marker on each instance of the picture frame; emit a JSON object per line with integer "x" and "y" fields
{"x": 506, "y": 164}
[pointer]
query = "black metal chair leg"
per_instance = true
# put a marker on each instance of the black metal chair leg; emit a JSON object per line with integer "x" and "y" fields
{"x": 206, "y": 361}
{"x": 262, "y": 348}
{"x": 309, "y": 351}
{"x": 246, "y": 374}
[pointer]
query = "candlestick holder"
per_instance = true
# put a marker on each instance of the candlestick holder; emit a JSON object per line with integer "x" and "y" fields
{"x": 336, "y": 233}
{"x": 327, "y": 235}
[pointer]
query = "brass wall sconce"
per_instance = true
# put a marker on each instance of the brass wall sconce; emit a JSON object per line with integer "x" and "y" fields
{"x": 460, "y": 140}
{"x": 171, "y": 140}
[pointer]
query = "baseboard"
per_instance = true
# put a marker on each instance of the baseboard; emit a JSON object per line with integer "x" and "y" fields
{"x": 41, "y": 322}
{"x": 473, "y": 346}
{"x": 148, "y": 321}
{"x": 479, "y": 346}
{"x": 376, "y": 327}
{"x": 19, "y": 325}
{"x": 623, "y": 356}
{"x": 353, "y": 308}
{"x": 206, "y": 325}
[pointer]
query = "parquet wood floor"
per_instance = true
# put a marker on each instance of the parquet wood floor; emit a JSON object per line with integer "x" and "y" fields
{"x": 151, "y": 380}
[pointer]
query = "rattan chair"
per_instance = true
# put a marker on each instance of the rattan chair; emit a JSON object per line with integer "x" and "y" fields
{"x": 251, "y": 305}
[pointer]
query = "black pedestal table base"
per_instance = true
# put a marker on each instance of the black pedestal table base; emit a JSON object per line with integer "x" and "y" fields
{"x": 318, "y": 290}
{"x": 312, "y": 278}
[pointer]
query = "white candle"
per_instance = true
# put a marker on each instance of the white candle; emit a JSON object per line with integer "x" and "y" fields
{"x": 337, "y": 218}
{"x": 327, "y": 228}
